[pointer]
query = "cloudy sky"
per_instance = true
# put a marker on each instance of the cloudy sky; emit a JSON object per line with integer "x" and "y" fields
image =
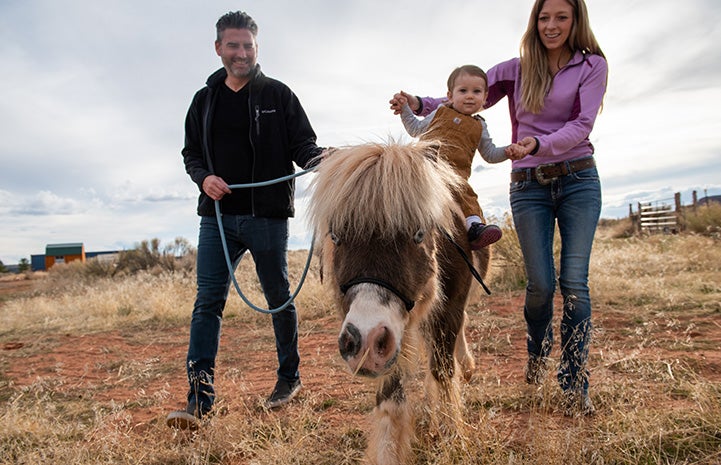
{"x": 94, "y": 95}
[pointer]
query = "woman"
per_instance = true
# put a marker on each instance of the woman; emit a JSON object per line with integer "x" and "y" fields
{"x": 555, "y": 90}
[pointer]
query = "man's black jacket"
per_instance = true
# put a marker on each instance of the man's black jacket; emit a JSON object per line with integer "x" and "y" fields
{"x": 280, "y": 135}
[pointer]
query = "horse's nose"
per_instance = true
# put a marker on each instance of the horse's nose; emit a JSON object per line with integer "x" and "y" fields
{"x": 370, "y": 354}
{"x": 382, "y": 345}
{"x": 349, "y": 341}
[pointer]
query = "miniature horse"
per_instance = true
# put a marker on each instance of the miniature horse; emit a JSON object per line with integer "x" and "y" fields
{"x": 389, "y": 233}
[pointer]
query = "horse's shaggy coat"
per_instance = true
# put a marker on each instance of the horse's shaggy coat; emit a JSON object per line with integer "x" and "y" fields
{"x": 382, "y": 213}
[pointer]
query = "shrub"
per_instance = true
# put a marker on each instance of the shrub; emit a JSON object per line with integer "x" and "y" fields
{"x": 508, "y": 272}
{"x": 704, "y": 219}
{"x": 148, "y": 256}
{"x": 617, "y": 228}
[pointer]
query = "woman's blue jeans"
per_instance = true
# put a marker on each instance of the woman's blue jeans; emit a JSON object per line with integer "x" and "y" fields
{"x": 267, "y": 241}
{"x": 574, "y": 201}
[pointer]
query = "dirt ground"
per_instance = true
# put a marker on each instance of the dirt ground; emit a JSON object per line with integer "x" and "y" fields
{"x": 107, "y": 366}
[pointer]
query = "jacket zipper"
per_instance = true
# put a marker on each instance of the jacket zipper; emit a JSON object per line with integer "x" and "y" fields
{"x": 257, "y": 120}
{"x": 252, "y": 147}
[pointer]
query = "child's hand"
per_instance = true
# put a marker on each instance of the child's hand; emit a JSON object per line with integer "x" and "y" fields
{"x": 521, "y": 148}
{"x": 515, "y": 152}
{"x": 402, "y": 98}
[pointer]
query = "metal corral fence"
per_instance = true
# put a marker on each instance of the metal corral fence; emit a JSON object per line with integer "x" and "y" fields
{"x": 660, "y": 216}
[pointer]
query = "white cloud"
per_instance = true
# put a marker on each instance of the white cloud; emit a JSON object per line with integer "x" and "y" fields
{"x": 95, "y": 95}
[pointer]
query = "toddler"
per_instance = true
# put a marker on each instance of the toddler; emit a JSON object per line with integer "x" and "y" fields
{"x": 460, "y": 132}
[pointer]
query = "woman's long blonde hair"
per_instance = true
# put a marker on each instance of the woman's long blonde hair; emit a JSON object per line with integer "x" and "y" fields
{"x": 536, "y": 76}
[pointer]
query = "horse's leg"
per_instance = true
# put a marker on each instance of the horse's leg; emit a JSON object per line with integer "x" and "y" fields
{"x": 463, "y": 354}
{"x": 390, "y": 440}
{"x": 442, "y": 332}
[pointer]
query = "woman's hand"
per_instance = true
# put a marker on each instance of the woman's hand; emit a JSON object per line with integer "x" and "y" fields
{"x": 529, "y": 143}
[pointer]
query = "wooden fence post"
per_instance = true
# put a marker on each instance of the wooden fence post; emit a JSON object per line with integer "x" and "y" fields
{"x": 679, "y": 213}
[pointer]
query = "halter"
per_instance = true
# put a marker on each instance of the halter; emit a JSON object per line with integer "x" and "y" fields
{"x": 408, "y": 302}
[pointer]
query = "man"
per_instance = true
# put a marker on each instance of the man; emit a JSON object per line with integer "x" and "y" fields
{"x": 242, "y": 127}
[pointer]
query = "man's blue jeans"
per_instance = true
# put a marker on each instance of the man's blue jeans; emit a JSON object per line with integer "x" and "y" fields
{"x": 267, "y": 241}
{"x": 574, "y": 201}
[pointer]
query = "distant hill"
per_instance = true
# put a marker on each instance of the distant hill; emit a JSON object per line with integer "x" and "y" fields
{"x": 709, "y": 199}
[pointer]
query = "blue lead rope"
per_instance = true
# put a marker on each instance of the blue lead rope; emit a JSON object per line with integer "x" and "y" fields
{"x": 231, "y": 270}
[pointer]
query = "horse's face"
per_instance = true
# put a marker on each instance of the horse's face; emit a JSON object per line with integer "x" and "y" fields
{"x": 380, "y": 207}
{"x": 378, "y": 280}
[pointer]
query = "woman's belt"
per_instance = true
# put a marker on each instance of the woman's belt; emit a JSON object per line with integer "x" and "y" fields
{"x": 544, "y": 174}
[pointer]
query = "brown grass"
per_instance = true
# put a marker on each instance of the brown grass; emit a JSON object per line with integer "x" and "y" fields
{"x": 90, "y": 367}
{"x": 704, "y": 219}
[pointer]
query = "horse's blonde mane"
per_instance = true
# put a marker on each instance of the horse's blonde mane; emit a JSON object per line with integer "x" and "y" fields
{"x": 383, "y": 190}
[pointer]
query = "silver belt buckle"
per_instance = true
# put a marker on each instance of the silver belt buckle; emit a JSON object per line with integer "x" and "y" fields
{"x": 539, "y": 174}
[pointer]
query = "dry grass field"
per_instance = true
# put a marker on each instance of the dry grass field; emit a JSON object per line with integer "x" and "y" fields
{"x": 90, "y": 366}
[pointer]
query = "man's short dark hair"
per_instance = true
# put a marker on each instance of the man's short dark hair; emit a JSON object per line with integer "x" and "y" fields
{"x": 236, "y": 20}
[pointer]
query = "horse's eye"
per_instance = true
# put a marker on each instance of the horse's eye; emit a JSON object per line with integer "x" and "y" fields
{"x": 334, "y": 238}
{"x": 418, "y": 237}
